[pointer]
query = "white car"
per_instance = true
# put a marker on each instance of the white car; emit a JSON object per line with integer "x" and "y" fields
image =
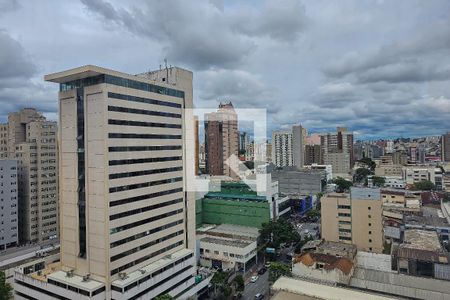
{"x": 254, "y": 278}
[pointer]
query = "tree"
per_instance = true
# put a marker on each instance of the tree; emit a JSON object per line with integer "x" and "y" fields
{"x": 219, "y": 280}
{"x": 278, "y": 232}
{"x": 164, "y": 297}
{"x": 313, "y": 213}
{"x": 239, "y": 283}
{"x": 342, "y": 184}
{"x": 369, "y": 163}
{"x": 5, "y": 288}
{"x": 446, "y": 197}
{"x": 361, "y": 174}
{"x": 424, "y": 185}
{"x": 276, "y": 270}
{"x": 378, "y": 181}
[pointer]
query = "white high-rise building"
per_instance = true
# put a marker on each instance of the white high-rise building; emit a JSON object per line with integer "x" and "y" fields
{"x": 288, "y": 147}
{"x": 282, "y": 148}
{"x": 128, "y": 221}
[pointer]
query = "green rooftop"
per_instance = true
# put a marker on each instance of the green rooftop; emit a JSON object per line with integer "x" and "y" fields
{"x": 235, "y": 190}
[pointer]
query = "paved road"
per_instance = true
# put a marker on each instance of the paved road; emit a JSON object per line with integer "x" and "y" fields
{"x": 260, "y": 286}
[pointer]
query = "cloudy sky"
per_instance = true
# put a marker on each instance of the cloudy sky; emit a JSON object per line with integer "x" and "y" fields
{"x": 381, "y": 68}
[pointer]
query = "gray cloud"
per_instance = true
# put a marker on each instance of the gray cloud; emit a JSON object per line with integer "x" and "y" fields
{"x": 280, "y": 20}
{"x": 204, "y": 36}
{"x": 15, "y": 64}
{"x": 377, "y": 67}
{"x": 8, "y": 6}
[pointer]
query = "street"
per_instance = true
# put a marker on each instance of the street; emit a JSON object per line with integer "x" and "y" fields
{"x": 260, "y": 286}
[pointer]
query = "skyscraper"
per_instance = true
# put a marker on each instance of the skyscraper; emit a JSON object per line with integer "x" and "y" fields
{"x": 31, "y": 140}
{"x": 222, "y": 141}
{"x": 282, "y": 149}
{"x": 288, "y": 147}
{"x": 298, "y": 145}
{"x": 446, "y": 147}
{"x": 337, "y": 150}
{"x": 128, "y": 229}
{"x": 8, "y": 207}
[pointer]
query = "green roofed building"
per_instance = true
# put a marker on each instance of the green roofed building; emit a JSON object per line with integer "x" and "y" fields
{"x": 238, "y": 204}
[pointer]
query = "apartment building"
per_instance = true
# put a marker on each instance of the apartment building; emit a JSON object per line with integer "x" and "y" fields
{"x": 8, "y": 204}
{"x": 312, "y": 154}
{"x": 31, "y": 140}
{"x": 413, "y": 174}
{"x": 445, "y": 145}
{"x": 337, "y": 150}
{"x": 288, "y": 147}
{"x": 282, "y": 149}
{"x": 222, "y": 141}
{"x": 129, "y": 221}
{"x": 354, "y": 218}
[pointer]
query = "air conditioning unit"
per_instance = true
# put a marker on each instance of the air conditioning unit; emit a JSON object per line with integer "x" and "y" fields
{"x": 69, "y": 273}
{"x": 86, "y": 277}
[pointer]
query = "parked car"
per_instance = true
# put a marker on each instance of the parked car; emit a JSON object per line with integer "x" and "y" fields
{"x": 254, "y": 278}
{"x": 262, "y": 270}
{"x": 259, "y": 296}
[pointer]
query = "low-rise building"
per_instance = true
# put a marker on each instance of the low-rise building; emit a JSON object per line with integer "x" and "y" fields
{"x": 413, "y": 174}
{"x": 419, "y": 253}
{"x": 324, "y": 261}
{"x": 292, "y": 181}
{"x": 241, "y": 204}
{"x": 227, "y": 247}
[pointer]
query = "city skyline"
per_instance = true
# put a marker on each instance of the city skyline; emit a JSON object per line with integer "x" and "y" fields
{"x": 373, "y": 72}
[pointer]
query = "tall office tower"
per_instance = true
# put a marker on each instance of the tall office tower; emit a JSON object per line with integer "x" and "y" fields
{"x": 312, "y": 154}
{"x": 354, "y": 218}
{"x": 337, "y": 150}
{"x": 298, "y": 145}
{"x": 128, "y": 229}
{"x": 243, "y": 141}
{"x": 282, "y": 149}
{"x": 197, "y": 146}
{"x": 31, "y": 140}
{"x": 8, "y": 204}
{"x": 445, "y": 145}
{"x": 222, "y": 141}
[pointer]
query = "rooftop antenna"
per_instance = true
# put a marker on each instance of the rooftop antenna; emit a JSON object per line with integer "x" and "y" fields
{"x": 167, "y": 70}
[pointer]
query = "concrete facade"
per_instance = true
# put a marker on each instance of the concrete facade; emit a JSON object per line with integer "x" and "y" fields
{"x": 8, "y": 204}
{"x": 282, "y": 144}
{"x": 299, "y": 182}
{"x": 337, "y": 150}
{"x": 31, "y": 140}
{"x": 354, "y": 218}
{"x": 128, "y": 217}
{"x": 222, "y": 141}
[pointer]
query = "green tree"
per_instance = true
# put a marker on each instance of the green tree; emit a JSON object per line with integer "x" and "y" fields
{"x": 361, "y": 174}
{"x": 277, "y": 232}
{"x": 239, "y": 283}
{"x": 249, "y": 164}
{"x": 369, "y": 163}
{"x": 219, "y": 281}
{"x": 424, "y": 185}
{"x": 342, "y": 185}
{"x": 378, "y": 181}
{"x": 277, "y": 269}
{"x": 312, "y": 213}
{"x": 446, "y": 197}
{"x": 5, "y": 288}
{"x": 164, "y": 297}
